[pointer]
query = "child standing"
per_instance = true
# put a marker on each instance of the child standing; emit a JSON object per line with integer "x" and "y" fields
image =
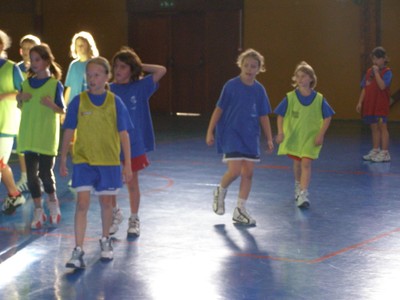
{"x": 303, "y": 118}
{"x": 41, "y": 102}
{"x": 25, "y": 44}
{"x": 243, "y": 105}
{"x": 374, "y": 102}
{"x": 10, "y": 115}
{"x": 101, "y": 121}
{"x": 135, "y": 91}
{"x": 82, "y": 48}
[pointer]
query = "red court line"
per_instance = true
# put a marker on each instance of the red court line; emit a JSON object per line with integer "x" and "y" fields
{"x": 325, "y": 257}
{"x": 170, "y": 182}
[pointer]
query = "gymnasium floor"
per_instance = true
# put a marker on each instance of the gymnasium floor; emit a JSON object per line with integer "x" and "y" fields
{"x": 346, "y": 246}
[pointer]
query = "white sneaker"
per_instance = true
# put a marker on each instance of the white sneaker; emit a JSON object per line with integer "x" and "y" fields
{"x": 382, "y": 156}
{"x": 76, "y": 261}
{"x": 54, "y": 209}
{"x": 302, "y": 200}
{"x": 117, "y": 219}
{"x": 22, "y": 185}
{"x": 240, "y": 215}
{"x": 219, "y": 201}
{"x": 371, "y": 154}
{"x": 133, "y": 227}
{"x": 39, "y": 218}
{"x": 106, "y": 249}
{"x": 10, "y": 204}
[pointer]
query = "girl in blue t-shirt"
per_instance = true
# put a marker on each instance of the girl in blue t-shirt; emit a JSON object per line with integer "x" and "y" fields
{"x": 41, "y": 101}
{"x": 101, "y": 122}
{"x": 135, "y": 90}
{"x": 243, "y": 105}
{"x": 303, "y": 119}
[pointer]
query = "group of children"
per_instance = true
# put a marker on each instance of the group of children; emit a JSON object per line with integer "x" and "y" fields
{"x": 303, "y": 117}
{"x": 110, "y": 129}
{"x": 104, "y": 133}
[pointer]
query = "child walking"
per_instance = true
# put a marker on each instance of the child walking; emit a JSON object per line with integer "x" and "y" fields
{"x": 242, "y": 106}
{"x": 82, "y": 48}
{"x": 25, "y": 45}
{"x": 135, "y": 90}
{"x": 101, "y": 121}
{"x": 373, "y": 104}
{"x": 41, "y": 102}
{"x": 303, "y": 118}
{"x": 10, "y": 115}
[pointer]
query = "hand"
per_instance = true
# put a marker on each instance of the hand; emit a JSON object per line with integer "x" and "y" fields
{"x": 210, "y": 139}
{"x": 375, "y": 69}
{"x": 279, "y": 138}
{"x": 63, "y": 169}
{"x": 358, "y": 107}
{"x": 127, "y": 173}
{"x": 319, "y": 140}
{"x": 47, "y": 101}
{"x": 270, "y": 146}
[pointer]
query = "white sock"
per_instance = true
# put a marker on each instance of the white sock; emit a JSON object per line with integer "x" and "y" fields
{"x": 241, "y": 203}
{"x": 23, "y": 176}
{"x": 134, "y": 216}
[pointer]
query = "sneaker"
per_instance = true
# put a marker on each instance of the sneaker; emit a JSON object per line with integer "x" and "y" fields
{"x": 133, "y": 227}
{"x": 302, "y": 200}
{"x": 219, "y": 201}
{"x": 371, "y": 154}
{"x": 382, "y": 156}
{"x": 117, "y": 219}
{"x": 10, "y": 204}
{"x": 39, "y": 217}
{"x": 54, "y": 209}
{"x": 240, "y": 215}
{"x": 22, "y": 185}
{"x": 106, "y": 249}
{"x": 76, "y": 261}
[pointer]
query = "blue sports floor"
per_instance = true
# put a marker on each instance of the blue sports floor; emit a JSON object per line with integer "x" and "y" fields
{"x": 346, "y": 246}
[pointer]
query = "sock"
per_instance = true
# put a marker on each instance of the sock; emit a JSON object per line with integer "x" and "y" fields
{"x": 23, "y": 177}
{"x": 241, "y": 203}
{"x": 221, "y": 189}
{"x": 134, "y": 216}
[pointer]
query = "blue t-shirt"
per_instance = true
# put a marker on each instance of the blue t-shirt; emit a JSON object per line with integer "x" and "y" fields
{"x": 17, "y": 75}
{"x": 136, "y": 96}
{"x": 76, "y": 78}
{"x": 327, "y": 111}
{"x": 238, "y": 129}
{"x": 71, "y": 118}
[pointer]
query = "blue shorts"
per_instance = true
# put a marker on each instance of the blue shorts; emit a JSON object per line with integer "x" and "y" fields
{"x": 374, "y": 119}
{"x": 105, "y": 180}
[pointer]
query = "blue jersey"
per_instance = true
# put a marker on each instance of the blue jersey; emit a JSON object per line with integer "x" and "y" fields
{"x": 76, "y": 78}
{"x": 136, "y": 96}
{"x": 238, "y": 129}
{"x": 71, "y": 119}
{"x": 327, "y": 111}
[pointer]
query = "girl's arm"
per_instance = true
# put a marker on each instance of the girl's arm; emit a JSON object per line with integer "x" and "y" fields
{"x": 360, "y": 101}
{"x": 266, "y": 126}
{"x": 319, "y": 140}
{"x": 378, "y": 78}
{"x": 8, "y": 95}
{"x": 280, "y": 136}
{"x": 216, "y": 115}
{"x": 67, "y": 138}
{"x": 48, "y": 101}
{"x": 126, "y": 150}
{"x": 156, "y": 71}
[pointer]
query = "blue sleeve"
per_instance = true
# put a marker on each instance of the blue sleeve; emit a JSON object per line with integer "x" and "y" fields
{"x": 281, "y": 108}
{"x": 17, "y": 77}
{"x": 71, "y": 118}
{"x": 123, "y": 120}
{"x": 387, "y": 78}
{"x": 59, "y": 99}
{"x": 327, "y": 110}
